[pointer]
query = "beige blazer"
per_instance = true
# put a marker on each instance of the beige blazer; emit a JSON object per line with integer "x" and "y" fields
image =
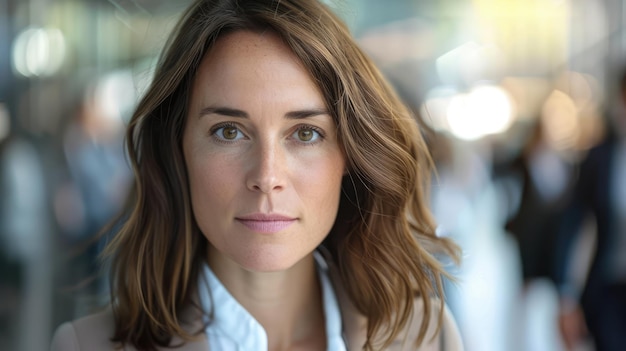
{"x": 93, "y": 333}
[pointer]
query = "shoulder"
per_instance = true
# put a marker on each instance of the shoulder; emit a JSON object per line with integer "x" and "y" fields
{"x": 92, "y": 332}
{"x": 601, "y": 152}
{"x": 446, "y": 338}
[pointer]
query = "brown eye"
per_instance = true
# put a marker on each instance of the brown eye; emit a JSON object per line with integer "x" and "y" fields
{"x": 305, "y": 134}
{"x": 230, "y": 133}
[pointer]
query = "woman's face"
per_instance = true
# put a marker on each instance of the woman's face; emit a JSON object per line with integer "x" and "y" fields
{"x": 262, "y": 154}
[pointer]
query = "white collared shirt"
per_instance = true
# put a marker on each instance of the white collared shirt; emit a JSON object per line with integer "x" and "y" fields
{"x": 234, "y": 329}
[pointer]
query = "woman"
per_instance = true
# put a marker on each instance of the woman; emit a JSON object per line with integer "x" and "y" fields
{"x": 279, "y": 201}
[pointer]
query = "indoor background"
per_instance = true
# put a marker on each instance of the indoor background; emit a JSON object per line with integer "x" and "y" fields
{"x": 507, "y": 91}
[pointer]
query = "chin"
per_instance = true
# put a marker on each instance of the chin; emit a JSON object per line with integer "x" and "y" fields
{"x": 270, "y": 262}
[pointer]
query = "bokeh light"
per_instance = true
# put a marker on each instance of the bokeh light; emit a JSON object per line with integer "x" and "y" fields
{"x": 485, "y": 110}
{"x": 39, "y": 52}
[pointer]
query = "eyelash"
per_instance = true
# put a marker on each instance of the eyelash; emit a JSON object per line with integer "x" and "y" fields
{"x": 213, "y": 131}
{"x": 320, "y": 133}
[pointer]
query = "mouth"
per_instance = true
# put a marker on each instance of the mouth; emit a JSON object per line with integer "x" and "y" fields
{"x": 266, "y": 223}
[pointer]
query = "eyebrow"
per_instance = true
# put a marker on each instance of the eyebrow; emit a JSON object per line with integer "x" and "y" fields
{"x": 233, "y": 112}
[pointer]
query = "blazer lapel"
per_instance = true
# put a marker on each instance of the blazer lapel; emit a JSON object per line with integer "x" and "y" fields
{"x": 192, "y": 322}
{"x": 354, "y": 323}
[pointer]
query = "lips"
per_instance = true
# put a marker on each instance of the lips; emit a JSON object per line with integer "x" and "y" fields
{"x": 266, "y": 223}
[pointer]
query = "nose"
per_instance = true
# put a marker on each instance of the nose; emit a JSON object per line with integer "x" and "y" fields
{"x": 267, "y": 171}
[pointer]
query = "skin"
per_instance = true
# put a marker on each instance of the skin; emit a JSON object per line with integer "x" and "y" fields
{"x": 259, "y": 142}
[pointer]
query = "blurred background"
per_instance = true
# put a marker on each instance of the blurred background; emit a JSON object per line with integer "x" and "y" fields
{"x": 516, "y": 99}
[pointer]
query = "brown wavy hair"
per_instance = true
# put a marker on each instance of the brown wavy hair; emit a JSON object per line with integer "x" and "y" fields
{"x": 383, "y": 241}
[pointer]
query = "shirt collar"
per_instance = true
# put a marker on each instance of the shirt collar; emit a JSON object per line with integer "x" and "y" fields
{"x": 234, "y": 328}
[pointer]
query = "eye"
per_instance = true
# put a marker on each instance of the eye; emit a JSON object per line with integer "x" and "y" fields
{"x": 307, "y": 134}
{"x": 227, "y": 132}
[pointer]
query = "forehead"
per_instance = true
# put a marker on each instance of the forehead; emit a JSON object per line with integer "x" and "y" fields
{"x": 244, "y": 65}
{"x": 253, "y": 51}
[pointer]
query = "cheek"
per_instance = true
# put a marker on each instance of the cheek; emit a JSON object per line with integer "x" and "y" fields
{"x": 320, "y": 181}
{"x": 211, "y": 182}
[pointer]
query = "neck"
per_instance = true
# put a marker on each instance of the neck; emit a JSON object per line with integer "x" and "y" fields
{"x": 288, "y": 304}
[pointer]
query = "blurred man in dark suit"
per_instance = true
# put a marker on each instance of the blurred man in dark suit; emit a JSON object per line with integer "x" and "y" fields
{"x": 600, "y": 191}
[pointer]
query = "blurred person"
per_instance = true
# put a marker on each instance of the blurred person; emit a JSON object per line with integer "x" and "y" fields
{"x": 93, "y": 147}
{"x": 279, "y": 198}
{"x": 25, "y": 240}
{"x": 465, "y": 202}
{"x": 540, "y": 177}
{"x": 99, "y": 180}
{"x": 600, "y": 191}
{"x": 544, "y": 176}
